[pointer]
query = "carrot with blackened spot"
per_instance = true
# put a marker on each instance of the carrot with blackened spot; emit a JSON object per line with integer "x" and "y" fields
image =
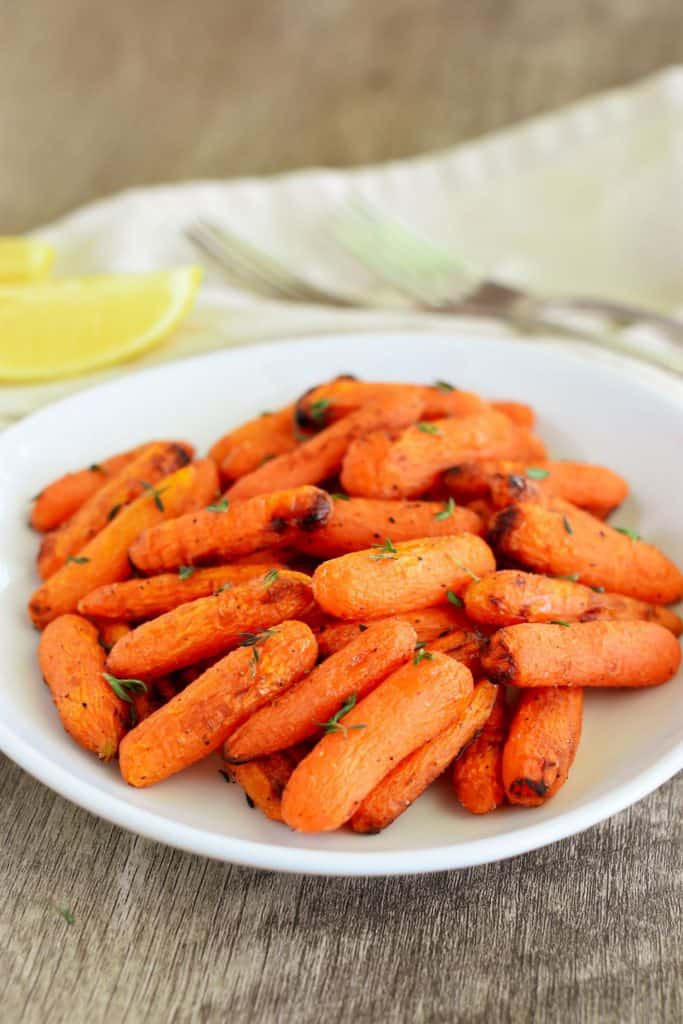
{"x": 396, "y": 578}
{"x": 239, "y": 528}
{"x": 541, "y": 744}
{"x": 521, "y": 414}
{"x": 60, "y": 499}
{"x": 583, "y": 654}
{"x": 297, "y": 715}
{"x": 209, "y": 626}
{"x": 321, "y": 457}
{"x": 563, "y": 540}
{"x": 406, "y": 710}
{"x": 595, "y": 488}
{"x": 72, "y": 662}
{"x": 198, "y": 720}
{"x": 465, "y": 645}
{"x": 264, "y": 779}
{"x": 254, "y": 442}
{"x": 478, "y": 772}
{"x": 409, "y": 779}
{"x": 105, "y": 558}
{"x": 428, "y": 623}
{"x": 507, "y": 597}
{"x": 154, "y": 462}
{"x": 144, "y": 598}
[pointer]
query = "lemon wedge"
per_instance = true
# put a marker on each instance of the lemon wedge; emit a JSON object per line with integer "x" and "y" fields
{"x": 23, "y": 259}
{"x": 75, "y": 325}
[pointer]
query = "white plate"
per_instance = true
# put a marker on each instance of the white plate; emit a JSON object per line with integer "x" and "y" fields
{"x": 594, "y": 407}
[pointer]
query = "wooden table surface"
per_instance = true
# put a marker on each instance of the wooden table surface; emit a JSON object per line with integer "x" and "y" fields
{"x": 587, "y": 930}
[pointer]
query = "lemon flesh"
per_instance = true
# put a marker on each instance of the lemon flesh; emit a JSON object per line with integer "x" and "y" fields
{"x": 23, "y": 259}
{"x": 75, "y": 325}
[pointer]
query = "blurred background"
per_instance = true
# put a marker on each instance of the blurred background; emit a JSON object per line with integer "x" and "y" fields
{"x": 95, "y": 98}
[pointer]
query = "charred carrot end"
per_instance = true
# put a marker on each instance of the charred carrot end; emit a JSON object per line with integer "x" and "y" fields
{"x": 406, "y": 710}
{"x": 356, "y": 669}
{"x": 478, "y": 772}
{"x": 626, "y": 654}
{"x": 105, "y": 558}
{"x": 398, "y": 578}
{"x": 541, "y": 745}
{"x": 465, "y": 645}
{"x": 60, "y": 499}
{"x": 595, "y": 488}
{"x": 232, "y": 529}
{"x": 564, "y": 540}
{"x": 521, "y": 414}
{"x": 209, "y": 626}
{"x": 202, "y": 716}
{"x": 72, "y": 663}
{"x": 402, "y": 786}
{"x": 428, "y": 623}
{"x": 247, "y": 447}
{"x": 264, "y": 779}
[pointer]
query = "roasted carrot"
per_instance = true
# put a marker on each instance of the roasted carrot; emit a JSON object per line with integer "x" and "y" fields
{"x": 209, "y": 626}
{"x": 465, "y": 645}
{"x": 583, "y": 654}
{"x": 428, "y": 623}
{"x": 364, "y": 462}
{"x": 541, "y": 745}
{"x": 412, "y": 464}
{"x": 521, "y": 414}
{"x": 105, "y": 558}
{"x": 478, "y": 772}
{"x": 400, "y": 578}
{"x": 155, "y": 461}
{"x": 409, "y": 779}
{"x": 264, "y": 779}
{"x": 564, "y": 540}
{"x": 485, "y": 509}
{"x": 60, "y": 499}
{"x": 298, "y": 713}
{"x": 322, "y": 456}
{"x": 198, "y": 720}
{"x": 72, "y": 663}
{"x": 144, "y": 598}
{"x": 230, "y": 530}
{"x": 410, "y": 707}
{"x": 144, "y": 701}
{"x": 509, "y": 596}
{"x": 255, "y": 442}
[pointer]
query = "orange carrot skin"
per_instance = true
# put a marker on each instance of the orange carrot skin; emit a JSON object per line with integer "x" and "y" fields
{"x": 321, "y": 457}
{"x": 562, "y": 540}
{"x": 250, "y": 445}
{"x": 60, "y": 499}
{"x": 595, "y": 488}
{"x": 359, "y": 523}
{"x": 138, "y": 599}
{"x": 628, "y": 654}
{"x": 202, "y": 716}
{"x": 541, "y": 745}
{"x": 428, "y": 623}
{"x": 297, "y": 714}
{"x": 507, "y": 597}
{"x": 465, "y": 645}
{"x": 72, "y": 662}
{"x": 409, "y": 779}
{"x": 478, "y": 772}
{"x": 364, "y": 463}
{"x": 209, "y": 626}
{"x": 264, "y": 779}
{"x": 105, "y": 558}
{"x": 520, "y": 414}
{"x": 406, "y": 710}
{"x": 153, "y": 463}
{"x": 374, "y": 583}
{"x": 244, "y": 527}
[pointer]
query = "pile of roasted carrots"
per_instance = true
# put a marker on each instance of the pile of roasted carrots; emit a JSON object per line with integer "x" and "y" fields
{"x": 346, "y": 597}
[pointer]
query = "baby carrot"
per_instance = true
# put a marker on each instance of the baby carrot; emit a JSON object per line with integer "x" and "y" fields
{"x": 155, "y": 461}
{"x": 465, "y": 645}
{"x": 364, "y": 461}
{"x": 105, "y": 558}
{"x": 198, "y": 720}
{"x": 564, "y": 540}
{"x": 254, "y": 442}
{"x": 583, "y": 654}
{"x": 264, "y": 779}
{"x": 541, "y": 745}
{"x": 209, "y": 626}
{"x": 409, "y": 779}
{"x": 298, "y": 714}
{"x": 60, "y": 499}
{"x": 402, "y": 713}
{"x": 72, "y": 663}
{"x": 396, "y": 578}
{"x": 508, "y": 596}
{"x": 228, "y": 530}
{"x": 428, "y": 623}
{"x": 521, "y": 414}
{"x": 595, "y": 488}
{"x": 146, "y": 597}
{"x": 478, "y": 772}
{"x": 321, "y": 457}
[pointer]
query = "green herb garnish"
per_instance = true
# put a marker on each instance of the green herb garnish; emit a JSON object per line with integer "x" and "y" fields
{"x": 454, "y": 599}
{"x": 573, "y": 577}
{"x": 220, "y": 506}
{"x": 334, "y": 724}
{"x": 598, "y": 590}
{"x": 338, "y": 496}
{"x": 223, "y": 586}
{"x": 66, "y": 914}
{"x": 95, "y": 467}
{"x": 386, "y": 550}
{"x": 447, "y": 511}
{"x": 421, "y": 653}
{"x": 155, "y": 492}
{"x": 472, "y": 575}
{"x": 627, "y": 532}
{"x": 185, "y": 571}
{"x": 443, "y": 385}
{"x": 428, "y": 428}
{"x": 77, "y": 559}
{"x": 567, "y": 525}
{"x": 535, "y": 473}
{"x": 558, "y": 622}
{"x": 254, "y": 640}
{"x": 318, "y": 409}
{"x": 123, "y": 689}
{"x": 270, "y": 578}
{"x": 114, "y": 511}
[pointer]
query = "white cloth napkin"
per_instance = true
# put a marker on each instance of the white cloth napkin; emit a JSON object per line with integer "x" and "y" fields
{"x": 586, "y": 201}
